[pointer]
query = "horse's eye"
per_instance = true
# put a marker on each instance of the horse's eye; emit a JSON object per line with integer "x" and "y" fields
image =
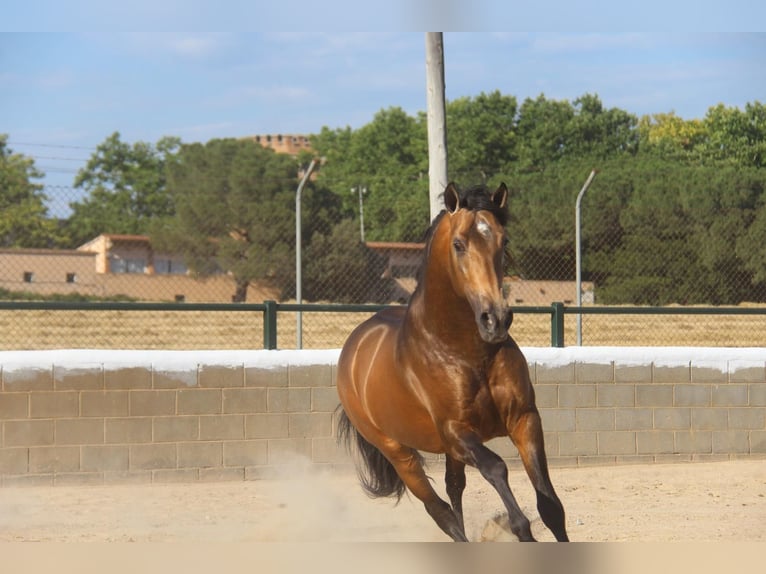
{"x": 458, "y": 245}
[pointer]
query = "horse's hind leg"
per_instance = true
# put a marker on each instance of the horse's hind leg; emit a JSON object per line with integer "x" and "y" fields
{"x": 527, "y": 435}
{"x": 407, "y": 463}
{"x": 454, "y": 478}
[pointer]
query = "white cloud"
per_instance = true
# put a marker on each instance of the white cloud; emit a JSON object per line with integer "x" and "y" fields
{"x": 56, "y": 80}
{"x": 273, "y": 93}
{"x": 194, "y": 45}
{"x": 343, "y": 45}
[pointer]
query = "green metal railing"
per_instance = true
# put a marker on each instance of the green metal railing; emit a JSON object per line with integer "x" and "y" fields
{"x": 558, "y": 310}
{"x": 270, "y": 309}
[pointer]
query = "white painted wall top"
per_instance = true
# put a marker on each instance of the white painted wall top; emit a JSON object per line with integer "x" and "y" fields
{"x": 723, "y": 359}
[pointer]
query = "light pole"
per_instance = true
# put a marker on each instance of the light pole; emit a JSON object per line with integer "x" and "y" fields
{"x": 298, "y": 276}
{"x": 361, "y": 190}
{"x": 578, "y": 262}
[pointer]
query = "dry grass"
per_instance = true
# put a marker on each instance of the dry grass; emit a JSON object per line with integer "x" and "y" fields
{"x": 24, "y": 329}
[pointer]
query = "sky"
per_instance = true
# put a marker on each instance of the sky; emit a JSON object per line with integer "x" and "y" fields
{"x": 63, "y": 93}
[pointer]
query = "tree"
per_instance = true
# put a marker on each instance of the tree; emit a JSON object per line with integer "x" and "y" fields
{"x": 388, "y": 158}
{"x": 669, "y": 136}
{"x": 540, "y": 231}
{"x": 726, "y": 135}
{"x": 681, "y": 234}
{"x": 24, "y": 220}
{"x": 541, "y": 132}
{"x": 125, "y": 187}
{"x": 549, "y": 131}
{"x": 234, "y": 202}
{"x": 748, "y": 247}
{"x": 600, "y": 133}
{"x": 735, "y": 135}
{"x": 481, "y": 136}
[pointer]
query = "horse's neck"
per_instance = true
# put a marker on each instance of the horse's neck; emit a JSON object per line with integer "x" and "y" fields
{"x": 436, "y": 309}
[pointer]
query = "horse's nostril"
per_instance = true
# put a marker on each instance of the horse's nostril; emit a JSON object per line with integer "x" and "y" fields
{"x": 488, "y": 320}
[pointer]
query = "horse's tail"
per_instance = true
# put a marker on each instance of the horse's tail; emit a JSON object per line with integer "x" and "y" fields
{"x": 377, "y": 475}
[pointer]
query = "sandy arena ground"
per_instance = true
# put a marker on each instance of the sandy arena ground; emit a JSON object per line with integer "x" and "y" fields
{"x": 718, "y": 501}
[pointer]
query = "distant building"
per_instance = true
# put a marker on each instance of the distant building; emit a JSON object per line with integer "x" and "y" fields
{"x": 113, "y": 264}
{"x": 116, "y": 253}
{"x": 289, "y": 144}
{"x": 48, "y": 271}
{"x": 526, "y": 292}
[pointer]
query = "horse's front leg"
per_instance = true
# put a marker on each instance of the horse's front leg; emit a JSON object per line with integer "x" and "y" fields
{"x": 527, "y": 434}
{"x": 469, "y": 449}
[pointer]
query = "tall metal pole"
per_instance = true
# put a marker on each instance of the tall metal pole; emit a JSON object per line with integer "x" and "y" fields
{"x": 298, "y": 275}
{"x": 578, "y": 261}
{"x": 361, "y": 190}
{"x": 437, "y": 122}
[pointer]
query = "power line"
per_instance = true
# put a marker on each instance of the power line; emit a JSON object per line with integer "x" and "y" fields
{"x": 62, "y": 146}
{"x": 54, "y": 158}
{"x": 54, "y": 169}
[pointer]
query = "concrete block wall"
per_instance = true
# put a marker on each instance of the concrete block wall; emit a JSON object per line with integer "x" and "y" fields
{"x": 93, "y": 417}
{"x": 681, "y": 407}
{"x": 86, "y": 418}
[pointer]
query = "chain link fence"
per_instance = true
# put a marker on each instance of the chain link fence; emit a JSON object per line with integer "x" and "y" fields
{"x": 620, "y": 267}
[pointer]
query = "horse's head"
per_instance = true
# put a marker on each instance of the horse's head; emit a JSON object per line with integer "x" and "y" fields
{"x": 475, "y": 239}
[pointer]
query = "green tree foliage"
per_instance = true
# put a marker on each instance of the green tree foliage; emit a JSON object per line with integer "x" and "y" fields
{"x": 670, "y": 137}
{"x": 481, "y": 138}
{"x": 549, "y": 131}
{"x": 24, "y": 220}
{"x": 387, "y": 157}
{"x": 235, "y": 212}
{"x": 654, "y": 231}
{"x": 540, "y": 229}
{"x": 726, "y": 135}
{"x": 125, "y": 187}
{"x": 736, "y": 136}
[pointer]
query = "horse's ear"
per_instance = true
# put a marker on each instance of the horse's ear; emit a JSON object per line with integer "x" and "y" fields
{"x": 500, "y": 197}
{"x": 451, "y": 198}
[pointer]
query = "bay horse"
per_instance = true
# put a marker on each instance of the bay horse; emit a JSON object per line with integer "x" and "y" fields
{"x": 442, "y": 375}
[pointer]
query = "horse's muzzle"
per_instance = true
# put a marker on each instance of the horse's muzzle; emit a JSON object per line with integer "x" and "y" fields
{"x": 494, "y": 324}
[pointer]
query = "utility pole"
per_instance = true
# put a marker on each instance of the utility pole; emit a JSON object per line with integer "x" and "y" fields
{"x": 437, "y": 121}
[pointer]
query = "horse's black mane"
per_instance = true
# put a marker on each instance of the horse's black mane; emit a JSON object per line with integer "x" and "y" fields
{"x": 476, "y": 198}
{"x": 479, "y": 197}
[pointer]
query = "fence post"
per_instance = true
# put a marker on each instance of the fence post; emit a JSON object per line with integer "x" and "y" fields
{"x": 270, "y": 325}
{"x": 557, "y": 324}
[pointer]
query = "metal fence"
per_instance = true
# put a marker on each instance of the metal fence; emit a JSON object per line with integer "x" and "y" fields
{"x": 115, "y": 291}
{"x": 272, "y": 325}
